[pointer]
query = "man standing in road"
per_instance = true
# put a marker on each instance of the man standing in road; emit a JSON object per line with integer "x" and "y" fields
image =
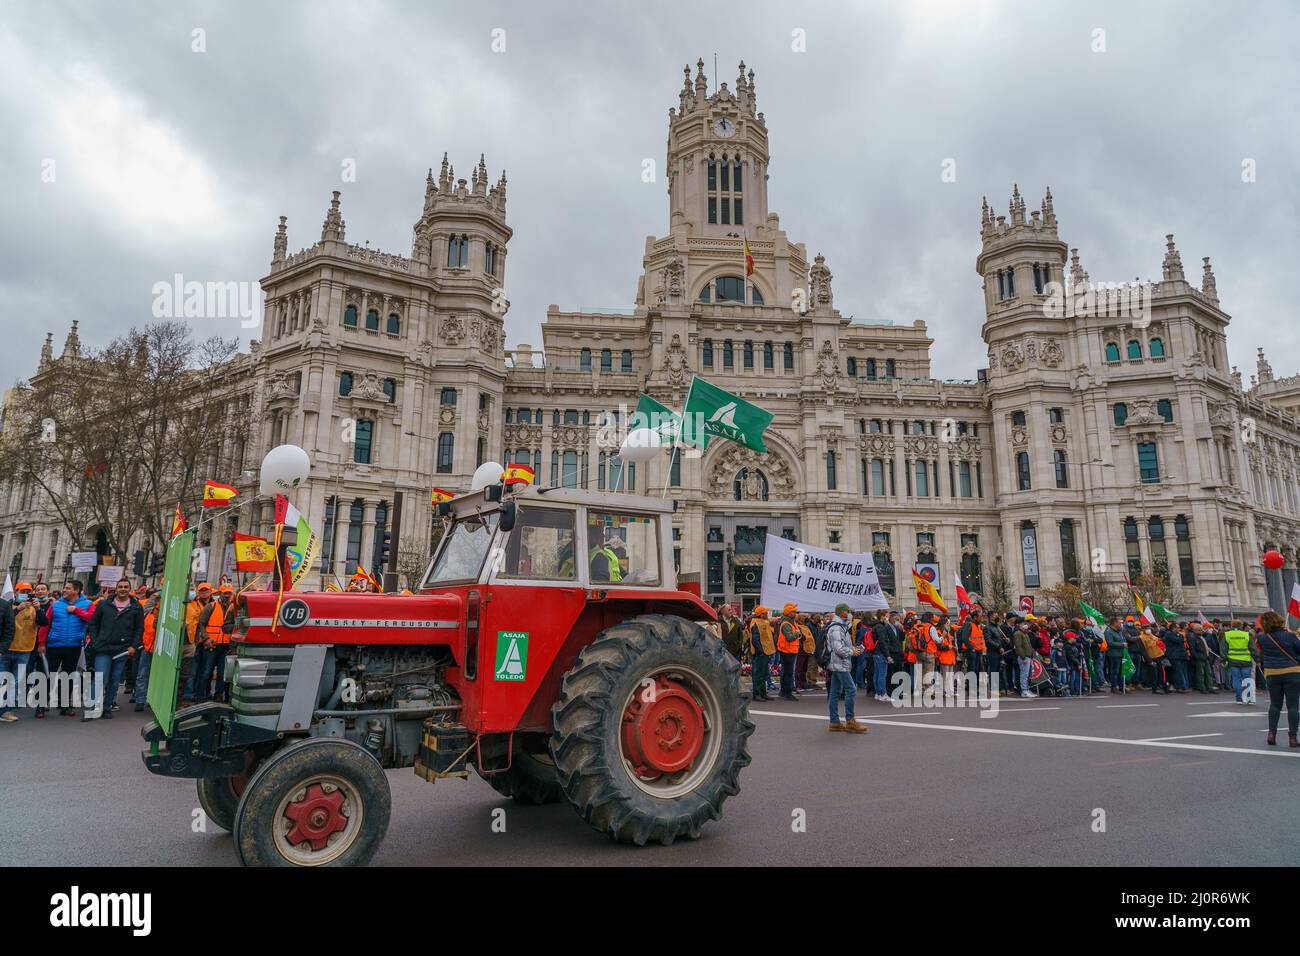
{"x": 729, "y": 631}
{"x": 842, "y": 651}
{"x": 788, "y": 641}
{"x": 1239, "y": 649}
{"x": 1024, "y": 654}
{"x": 761, "y": 649}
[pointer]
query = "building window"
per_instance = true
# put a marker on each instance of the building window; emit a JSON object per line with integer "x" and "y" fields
{"x": 525, "y": 416}
{"x": 922, "y": 479}
{"x": 606, "y": 360}
{"x": 569, "y": 474}
{"x": 728, "y": 355}
{"x": 372, "y": 320}
{"x": 972, "y": 571}
{"x": 570, "y": 416}
{"x": 675, "y": 471}
{"x": 390, "y": 389}
{"x": 769, "y": 357}
{"x": 350, "y": 316}
{"x": 1002, "y": 285}
{"x": 1165, "y": 409}
{"x": 871, "y": 369}
{"x": 1062, "y": 472}
{"x": 707, "y": 353}
{"x": 1134, "y": 349}
{"x": 364, "y": 436}
{"x": 851, "y": 367}
{"x": 1018, "y": 418}
{"x": 1133, "y": 553}
{"x": 458, "y": 252}
{"x": 1022, "y": 470}
{"x": 1186, "y": 568}
{"x": 490, "y": 259}
{"x": 883, "y": 559}
{"x": 1120, "y": 413}
{"x": 730, "y": 289}
{"x": 889, "y": 368}
{"x": 963, "y": 479}
{"x": 1159, "y": 550}
{"x": 446, "y": 448}
{"x": 448, "y": 396}
{"x": 1148, "y": 462}
{"x": 748, "y": 353}
{"x": 1157, "y": 348}
{"x": 716, "y": 577}
{"x": 626, "y": 361}
{"x": 1011, "y": 283}
{"x": 704, "y": 293}
{"x": 830, "y": 471}
{"x": 1069, "y": 558}
{"x": 352, "y": 556}
{"x": 1040, "y": 278}
{"x": 394, "y": 324}
{"x": 788, "y": 358}
{"x": 584, "y": 360}
{"x": 878, "y": 477}
{"x": 1055, "y": 416}
{"x": 345, "y": 383}
{"x": 480, "y": 451}
{"x": 1112, "y": 352}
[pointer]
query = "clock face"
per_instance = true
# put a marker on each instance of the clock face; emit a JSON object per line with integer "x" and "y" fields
{"x": 724, "y": 127}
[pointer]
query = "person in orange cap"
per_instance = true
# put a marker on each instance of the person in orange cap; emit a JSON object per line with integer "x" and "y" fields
{"x": 788, "y": 641}
{"x": 761, "y": 649}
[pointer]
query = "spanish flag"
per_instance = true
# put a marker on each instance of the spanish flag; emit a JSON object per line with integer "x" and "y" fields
{"x": 518, "y": 474}
{"x": 215, "y": 494}
{"x": 927, "y": 593}
{"x": 441, "y": 494}
{"x": 332, "y": 586}
{"x": 178, "y": 521}
{"x": 749, "y": 260}
{"x": 252, "y": 553}
{"x": 361, "y": 574}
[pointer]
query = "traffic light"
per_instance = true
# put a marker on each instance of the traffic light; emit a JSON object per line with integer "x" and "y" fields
{"x": 385, "y": 549}
{"x": 156, "y": 564}
{"x": 138, "y": 565}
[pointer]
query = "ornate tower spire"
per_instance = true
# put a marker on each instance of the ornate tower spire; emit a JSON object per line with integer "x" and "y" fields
{"x": 986, "y": 217}
{"x": 1017, "y": 210}
{"x": 333, "y": 227}
{"x": 47, "y": 350}
{"x": 1263, "y": 370}
{"x": 701, "y": 84}
{"x": 753, "y": 97}
{"x": 1049, "y": 213}
{"x": 480, "y": 177}
{"x": 1207, "y": 280}
{"x": 281, "y": 244}
{"x": 72, "y": 344}
{"x": 1172, "y": 268}
{"x": 1078, "y": 278}
{"x": 443, "y": 177}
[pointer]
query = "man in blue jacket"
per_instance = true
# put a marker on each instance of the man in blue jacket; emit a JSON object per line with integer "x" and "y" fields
{"x": 67, "y": 634}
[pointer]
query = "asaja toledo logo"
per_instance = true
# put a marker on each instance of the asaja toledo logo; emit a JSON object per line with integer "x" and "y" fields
{"x": 512, "y": 655}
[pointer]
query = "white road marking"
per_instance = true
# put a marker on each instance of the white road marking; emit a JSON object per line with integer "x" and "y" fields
{"x": 1232, "y": 713}
{"x": 826, "y": 717}
{"x": 1022, "y": 710}
{"x": 1117, "y": 706}
{"x": 1183, "y": 737}
{"x": 1047, "y": 736}
{"x": 1205, "y": 703}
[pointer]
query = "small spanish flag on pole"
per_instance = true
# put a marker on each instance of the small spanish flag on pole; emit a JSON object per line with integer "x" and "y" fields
{"x": 178, "y": 521}
{"x": 927, "y": 593}
{"x": 749, "y": 260}
{"x": 440, "y": 494}
{"x": 518, "y": 474}
{"x": 215, "y": 494}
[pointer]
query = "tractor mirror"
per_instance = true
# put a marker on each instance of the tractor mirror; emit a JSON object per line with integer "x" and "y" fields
{"x": 506, "y": 521}
{"x": 493, "y": 492}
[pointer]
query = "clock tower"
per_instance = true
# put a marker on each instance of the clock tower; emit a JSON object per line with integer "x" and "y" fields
{"x": 717, "y": 157}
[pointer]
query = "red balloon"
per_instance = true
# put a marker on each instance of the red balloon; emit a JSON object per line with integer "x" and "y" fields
{"x": 1273, "y": 560}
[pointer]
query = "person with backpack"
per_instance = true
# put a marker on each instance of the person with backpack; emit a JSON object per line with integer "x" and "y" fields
{"x": 842, "y": 651}
{"x": 946, "y": 656}
{"x": 1280, "y": 654}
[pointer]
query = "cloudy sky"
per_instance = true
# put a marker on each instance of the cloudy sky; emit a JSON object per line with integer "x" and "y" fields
{"x": 129, "y": 156}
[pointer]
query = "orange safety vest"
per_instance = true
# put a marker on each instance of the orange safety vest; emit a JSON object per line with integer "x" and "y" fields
{"x": 947, "y": 655}
{"x": 790, "y": 644}
{"x": 150, "y": 620}
{"x": 918, "y": 641}
{"x": 809, "y": 643}
{"x": 976, "y": 637}
{"x": 213, "y": 631}
{"x": 764, "y": 627}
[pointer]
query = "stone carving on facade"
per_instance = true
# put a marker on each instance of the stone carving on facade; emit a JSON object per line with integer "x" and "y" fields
{"x": 877, "y": 445}
{"x": 1019, "y": 436}
{"x": 967, "y": 448}
{"x": 1031, "y": 350}
{"x": 828, "y": 367}
{"x": 1053, "y": 354}
{"x": 673, "y": 277}
{"x": 447, "y": 415}
{"x": 452, "y": 330}
{"x": 369, "y": 389}
{"x": 753, "y": 484}
{"x": 675, "y": 363}
{"x": 1142, "y": 411}
{"x": 993, "y": 360}
{"x": 491, "y": 338}
{"x": 1059, "y": 434}
{"x": 569, "y": 436}
{"x": 484, "y": 421}
{"x": 281, "y": 385}
{"x": 523, "y": 434}
{"x": 1012, "y": 358}
{"x": 920, "y": 446}
{"x": 723, "y": 471}
{"x": 819, "y": 287}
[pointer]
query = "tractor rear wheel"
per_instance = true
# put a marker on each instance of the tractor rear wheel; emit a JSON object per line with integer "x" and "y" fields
{"x": 219, "y": 796}
{"x": 651, "y": 730}
{"x": 321, "y": 802}
{"x": 530, "y": 779}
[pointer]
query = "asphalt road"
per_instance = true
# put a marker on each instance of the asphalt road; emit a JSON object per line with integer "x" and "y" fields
{"x": 922, "y": 787}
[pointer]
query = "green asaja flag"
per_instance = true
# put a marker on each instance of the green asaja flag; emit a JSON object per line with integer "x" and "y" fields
{"x": 720, "y": 413}
{"x": 1092, "y": 614}
{"x": 1163, "y": 612}
{"x": 655, "y": 416}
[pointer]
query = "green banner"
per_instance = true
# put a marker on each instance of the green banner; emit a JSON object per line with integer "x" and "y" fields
{"x": 169, "y": 631}
{"x": 657, "y": 417}
{"x": 725, "y": 415}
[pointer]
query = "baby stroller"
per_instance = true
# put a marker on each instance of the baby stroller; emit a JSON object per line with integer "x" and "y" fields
{"x": 1043, "y": 680}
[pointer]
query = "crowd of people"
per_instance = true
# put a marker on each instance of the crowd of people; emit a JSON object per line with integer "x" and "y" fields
{"x": 1027, "y": 654}
{"x": 112, "y": 638}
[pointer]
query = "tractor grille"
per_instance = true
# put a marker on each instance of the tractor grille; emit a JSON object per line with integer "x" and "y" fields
{"x": 260, "y": 674}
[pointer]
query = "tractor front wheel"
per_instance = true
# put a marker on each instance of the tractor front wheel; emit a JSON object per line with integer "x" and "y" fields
{"x": 651, "y": 730}
{"x": 322, "y": 802}
{"x": 219, "y": 796}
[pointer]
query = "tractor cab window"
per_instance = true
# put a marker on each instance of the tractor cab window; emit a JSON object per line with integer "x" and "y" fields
{"x": 541, "y": 545}
{"x": 622, "y": 548}
{"x": 463, "y": 550}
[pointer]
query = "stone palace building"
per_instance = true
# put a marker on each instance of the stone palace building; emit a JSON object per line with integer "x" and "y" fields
{"x": 1106, "y": 431}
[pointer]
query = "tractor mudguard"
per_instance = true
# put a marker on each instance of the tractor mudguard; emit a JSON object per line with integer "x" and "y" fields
{"x": 207, "y": 741}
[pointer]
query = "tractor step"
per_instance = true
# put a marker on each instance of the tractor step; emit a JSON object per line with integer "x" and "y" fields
{"x": 443, "y": 748}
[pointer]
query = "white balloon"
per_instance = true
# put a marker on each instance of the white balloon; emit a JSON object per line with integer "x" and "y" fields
{"x": 284, "y": 468}
{"x": 641, "y": 444}
{"x": 488, "y": 473}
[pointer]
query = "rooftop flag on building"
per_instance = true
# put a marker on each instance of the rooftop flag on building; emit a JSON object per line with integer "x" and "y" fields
{"x": 749, "y": 260}
{"x": 215, "y": 494}
{"x": 927, "y": 593}
{"x": 725, "y": 415}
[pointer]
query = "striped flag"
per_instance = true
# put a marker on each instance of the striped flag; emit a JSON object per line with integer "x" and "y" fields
{"x": 749, "y": 259}
{"x": 215, "y": 494}
{"x": 963, "y": 600}
{"x": 178, "y": 521}
{"x": 927, "y": 593}
{"x": 1293, "y": 607}
{"x": 518, "y": 474}
{"x": 440, "y": 494}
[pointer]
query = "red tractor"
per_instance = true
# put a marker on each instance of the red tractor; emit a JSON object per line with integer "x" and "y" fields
{"x": 549, "y": 649}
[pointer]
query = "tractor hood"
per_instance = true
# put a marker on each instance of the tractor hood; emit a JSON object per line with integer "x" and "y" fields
{"x": 322, "y": 617}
